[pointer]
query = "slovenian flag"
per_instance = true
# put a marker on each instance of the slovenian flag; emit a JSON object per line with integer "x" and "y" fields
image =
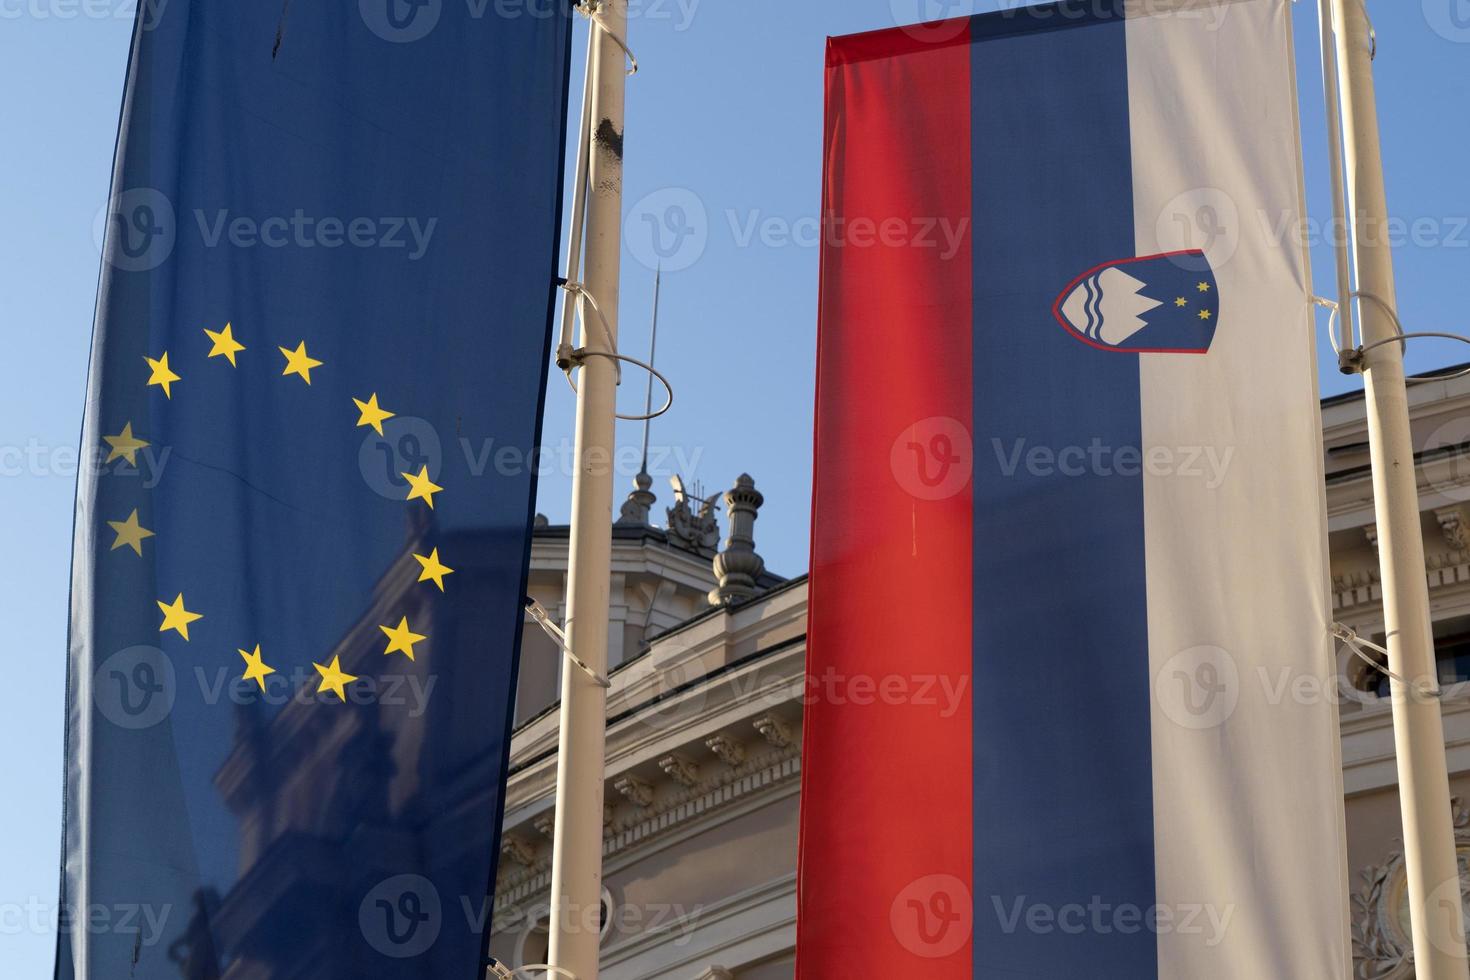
{"x": 1071, "y": 690}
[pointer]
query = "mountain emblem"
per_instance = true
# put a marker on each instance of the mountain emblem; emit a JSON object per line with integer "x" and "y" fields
{"x": 1150, "y": 304}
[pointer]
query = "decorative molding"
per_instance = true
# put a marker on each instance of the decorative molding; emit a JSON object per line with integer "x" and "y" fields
{"x": 1453, "y": 526}
{"x": 546, "y": 824}
{"x": 634, "y": 790}
{"x": 1382, "y": 947}
{"x": 747, "y": 927}
{"x": 680, "y": 770}
{"x": 729, "y": 751}
{"x": 751, "y": 784}
{"x": 716, "y": 973}
{"x": 518, "y": 849}
{"x": 774, "y": 731}
{"x": 1364, "y": 587}
{"x": 1370, "y": 531}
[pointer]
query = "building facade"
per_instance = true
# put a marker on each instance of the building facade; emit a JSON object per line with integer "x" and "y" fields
{"x": 705, "y": 721}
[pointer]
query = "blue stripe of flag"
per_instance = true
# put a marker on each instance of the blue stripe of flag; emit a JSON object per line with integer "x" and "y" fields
{"x": 1063, "y": 776}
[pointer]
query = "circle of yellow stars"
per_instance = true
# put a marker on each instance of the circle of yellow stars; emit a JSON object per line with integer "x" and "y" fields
{"x": 130, "y": 534}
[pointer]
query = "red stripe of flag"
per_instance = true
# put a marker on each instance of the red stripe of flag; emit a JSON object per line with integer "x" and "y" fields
{"x": 885, "y": 875}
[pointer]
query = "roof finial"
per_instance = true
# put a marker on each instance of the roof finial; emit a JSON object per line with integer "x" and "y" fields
{"x": 738, "y": 567}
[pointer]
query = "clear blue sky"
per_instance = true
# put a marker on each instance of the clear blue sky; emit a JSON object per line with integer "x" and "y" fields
{"x": 728, "y": 109}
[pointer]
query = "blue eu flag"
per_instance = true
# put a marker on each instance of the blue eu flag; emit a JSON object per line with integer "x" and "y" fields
{"x": 314, "y": 397}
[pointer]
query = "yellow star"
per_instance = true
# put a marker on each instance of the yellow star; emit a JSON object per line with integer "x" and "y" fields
{"x": 433, "y": 569}
{"x": 1204, "y": 314}
{"x": 1203, "y": 287}
{"x": 423, "y": 488}
{"x": 125, "y": 445}
{"x": 370, "y": 413}
{"x": 255, "y": 669}
{"x": 130, "y": 533}
{"x": 225, "y": 344}
{"x": 334, "y": 679}
{"x": 401, "y": 638}
{"x": 176, "y": 617}
{"x": 161, "y": 374}
{"x": 299, "y": 362}
{"x": 1180, "y": 301}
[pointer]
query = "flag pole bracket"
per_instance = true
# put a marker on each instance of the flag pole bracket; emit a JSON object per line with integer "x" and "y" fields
{"x": 540, "y": 615}
{"x": 569, "y": 358}
{"x": 1355, "y": 643}
{"x": 1352, "y": 360}
{"x": 592, "y": 10}
{"x": 496, "y": 970}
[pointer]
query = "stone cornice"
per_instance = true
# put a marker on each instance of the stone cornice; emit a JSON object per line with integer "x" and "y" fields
{"x": 646, "y": 555}
{"x": 761, "y": 779}
{"x": 708, "y": 647}
{"x": 1368, "y": 760}
{"x": 774, "y": 908}
{"x": 1362, "y": 591}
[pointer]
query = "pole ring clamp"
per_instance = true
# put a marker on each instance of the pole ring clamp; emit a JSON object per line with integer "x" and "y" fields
{"x": 580, "y": 355}
{"x": 568, "y": 358}
{"x": 589, "y": 9}
{"x": 1352, "y": 359}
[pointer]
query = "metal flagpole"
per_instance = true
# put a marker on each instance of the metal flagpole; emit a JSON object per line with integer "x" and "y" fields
{"x": 1424, "y": 796}
{"x": 576, "y": 870}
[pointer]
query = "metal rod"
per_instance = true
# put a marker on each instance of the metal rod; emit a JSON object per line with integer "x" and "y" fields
{"x": 1433, "y": 874}
{"x": 652, "y": 350}
{"x": 579, "y": 205}
{"x": 576, "y": 871}
{"x": 1347, "y": 361}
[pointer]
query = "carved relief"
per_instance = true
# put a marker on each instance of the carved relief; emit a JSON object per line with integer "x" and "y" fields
{"x": 634, "y": 790}
{"x": 680, "y": 770}
{"x": 1453, "y": 526}
{"x": 775, "y": 731}
{"x": 730, "y": 751}
{"x": 1382, "y": 945}
{"x": 518, "y": 849}
{"x": 693, "y": 529}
